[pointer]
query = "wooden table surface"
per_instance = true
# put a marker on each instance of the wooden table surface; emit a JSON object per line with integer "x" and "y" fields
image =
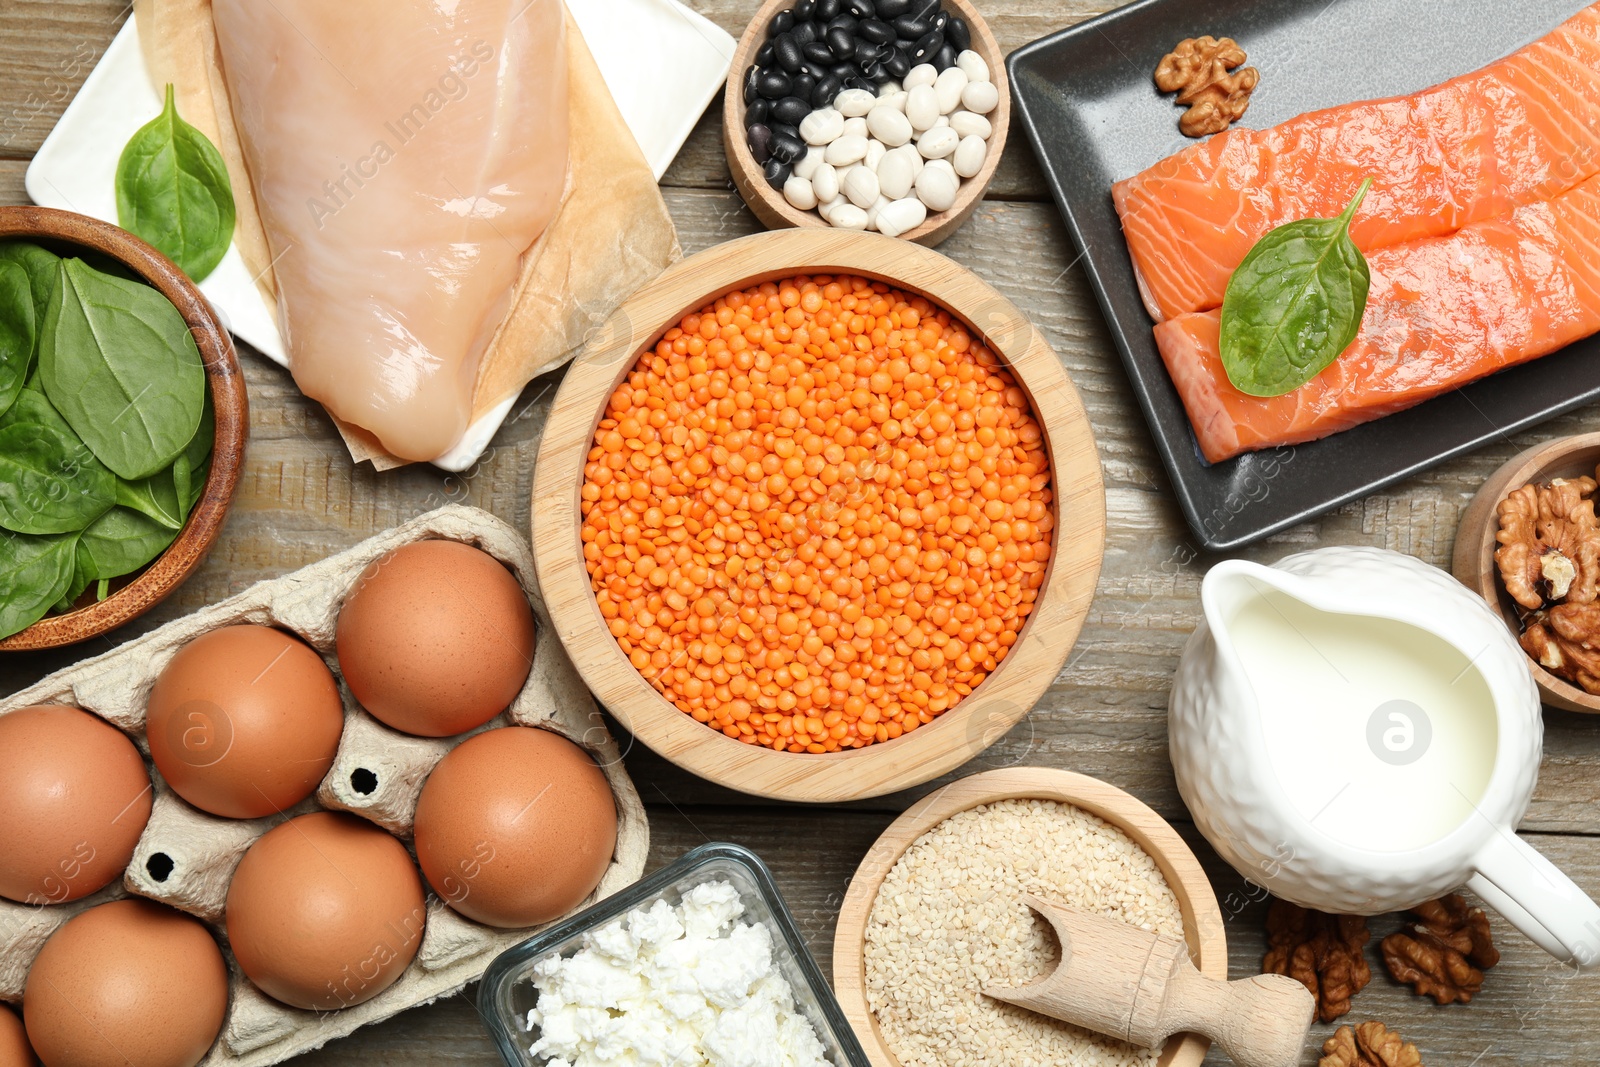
{"x": 300, "y": 499}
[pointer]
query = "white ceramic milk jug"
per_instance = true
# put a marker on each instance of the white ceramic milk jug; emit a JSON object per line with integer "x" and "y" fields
{"x": 1357, "y": 732}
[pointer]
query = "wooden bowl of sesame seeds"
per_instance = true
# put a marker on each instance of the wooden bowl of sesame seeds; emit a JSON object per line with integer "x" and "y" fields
{"x": 1118, "y": 823}
{"x": 1006, "y": 683}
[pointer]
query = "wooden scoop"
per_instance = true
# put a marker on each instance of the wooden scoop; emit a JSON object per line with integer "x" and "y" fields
{"x": 1128, "y": 983}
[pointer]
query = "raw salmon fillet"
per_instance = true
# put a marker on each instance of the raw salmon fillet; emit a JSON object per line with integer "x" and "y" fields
{"x": 404, "y": 157}
{"x": 1441, "y": 312}
{"x": 1523, "y": 129}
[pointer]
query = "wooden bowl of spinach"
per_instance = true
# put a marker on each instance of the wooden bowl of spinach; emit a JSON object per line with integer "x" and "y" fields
{"x": 123, "y": 419}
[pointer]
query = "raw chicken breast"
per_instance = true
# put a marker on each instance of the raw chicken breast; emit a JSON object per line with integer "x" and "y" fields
{"x": 404, "y": 158}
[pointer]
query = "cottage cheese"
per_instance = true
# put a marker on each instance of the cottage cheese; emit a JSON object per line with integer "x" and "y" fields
{"x": 664, "y": 986}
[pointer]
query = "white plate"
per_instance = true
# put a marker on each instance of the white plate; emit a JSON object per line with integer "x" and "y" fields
{"x": 662, "y": 62}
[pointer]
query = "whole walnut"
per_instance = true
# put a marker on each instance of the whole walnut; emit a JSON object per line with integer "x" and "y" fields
{"x": 1198, "y": 71}
{"x": 1323, "y": 952}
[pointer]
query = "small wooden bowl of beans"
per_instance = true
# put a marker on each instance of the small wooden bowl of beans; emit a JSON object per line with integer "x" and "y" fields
{"x": 818, "y": 515}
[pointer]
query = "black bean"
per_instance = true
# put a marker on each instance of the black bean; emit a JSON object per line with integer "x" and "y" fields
{"x": 876, "y": 72}
{"x": 791, "y": 109}
{"x": 898, "y": 65}
{"x": 926, "y": 9}
{"x": 787, "y": 149}
{"x": 826, "y": 90}
{"x": 892, "y": 9}
{"x": 772, "y": 84}
{"x": 787, "y": 51}
{"x": 827, "y": 9}
{"x": 759, "y": 138}
{"x": 910, "y": 27}
{"x": 866, "y": 51}
{"x": 757, "y": 111}
{"x": 817, "y": 52}
{"x": 815, "y": 71}
{"x": 805, "y": 33}
{"x": 940, "y": 21}
{"x": 804, "y": 10}
{"x": 957, "y": 33}
{"x": 858, "y": 82}
{"x": 861, "y": 9}
{"x": 927, "y": 47}
{"x": 944, "y": 58}
{"x": 842, "y": 43}
{"x": 766, "y": 54}
{"x": 776, "y": 173}
{"x": 843, "y": 71}
{"x": 876, "y": 31}
{"x": 783, "y": 22}
{"x": 843, "y": 22}
{"x": 784, "y": 129}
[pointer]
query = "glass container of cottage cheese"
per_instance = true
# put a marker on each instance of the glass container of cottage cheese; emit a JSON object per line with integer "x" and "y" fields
{"x": 699, "y": 964}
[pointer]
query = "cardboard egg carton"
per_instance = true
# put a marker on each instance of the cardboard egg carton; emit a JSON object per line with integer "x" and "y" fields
{"x": 186, "y": 858}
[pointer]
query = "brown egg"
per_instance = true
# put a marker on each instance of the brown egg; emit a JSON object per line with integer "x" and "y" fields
{"x": 325, "y": 911}
{"x": 74, "y": 798}
{"x": 515, "y": 826}
{"x": 14, "y": 1048}
{"x": 244, "y": 721}
{"x": 436, "y": 638}
{"x": 129, "y": 982}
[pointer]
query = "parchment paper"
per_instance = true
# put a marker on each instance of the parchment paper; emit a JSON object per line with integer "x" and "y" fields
{"x": 611, "y": 235}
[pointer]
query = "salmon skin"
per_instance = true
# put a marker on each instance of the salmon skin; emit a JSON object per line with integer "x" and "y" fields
{"x": 1521, "y": 130}
{"x": 1441, "y": 312}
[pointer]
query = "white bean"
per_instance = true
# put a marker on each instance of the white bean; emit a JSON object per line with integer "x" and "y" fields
{"x": 822, "y": 126}
{"x": 967, "y": 159}
{"x": 875, "y": 210}
{"x": 899, "y": 216}
{"x": 948, "y": 89}
{"x": 938, "y": 142}
{"x": 980, "y": 97}
{"x": 922, "y": 107}
{"x": 846, "y": 150}
{"x": 825, "y": 183}
{"x": 807, "y": 164}
{"x": 827, "y": 207}
{"x": 967, "y": 124}
{"x": 889, "y": 88}
{"x": 921, "y": 74}
{"x": 896, "y": 100}
{"x": 895, "y": 175}
{"x": 973, "y": 64}
{"x": 875, "y": 153}
{"x": 798, "y": 192}
{"x": 848, "y": 217}
{"x": 937, "y": 185}
{"x": 856, "y": 127}
{"x": 889, "y": 126}
{"x": 853, "y": 103}
{"x": 860, "y": 184}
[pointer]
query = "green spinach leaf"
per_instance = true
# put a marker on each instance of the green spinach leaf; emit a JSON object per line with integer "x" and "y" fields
{"x": 1294, "y": 304}
{"x": 173, "y": 190}
{"x": 119, "y": 363}
{"x": 40, "y": 265}
{"x": 197, "y": 485}
{"x": 49, "y": 483}
{"x": 118, "y": 543}
{"x": 18, "y": 330}
{"x": 80, "y": 582}
{"x": 35, "y": 573}
{"x": 157, "y": 496}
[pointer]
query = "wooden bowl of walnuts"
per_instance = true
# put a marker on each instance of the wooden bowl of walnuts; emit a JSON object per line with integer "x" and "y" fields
{"x": 1529, "y": 544}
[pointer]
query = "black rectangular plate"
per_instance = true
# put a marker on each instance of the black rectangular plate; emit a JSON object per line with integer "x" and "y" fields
{"x": 1086, "y": 98}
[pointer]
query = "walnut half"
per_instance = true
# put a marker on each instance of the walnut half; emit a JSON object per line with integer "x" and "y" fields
{"x": 1198, "y": 71}
{"x": 1371, "y": 1044}
{"x": 1321, "y": 951}
{"x": 1445, "y": 952}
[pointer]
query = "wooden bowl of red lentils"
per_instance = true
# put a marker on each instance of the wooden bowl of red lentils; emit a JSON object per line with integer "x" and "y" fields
{"x": 818, "y": 515}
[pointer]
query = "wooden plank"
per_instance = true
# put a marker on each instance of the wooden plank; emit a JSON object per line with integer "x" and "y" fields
{"x": 300, "y": 501}
{"x": 1531, "y": 1011}
{"x": 47, "y": 48}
